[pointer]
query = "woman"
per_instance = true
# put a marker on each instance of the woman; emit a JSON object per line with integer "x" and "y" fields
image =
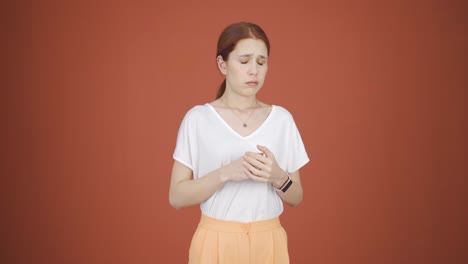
{"x": 240, "y": 159}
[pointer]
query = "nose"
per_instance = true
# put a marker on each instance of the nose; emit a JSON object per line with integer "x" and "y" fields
{"x": 253, "y": 68}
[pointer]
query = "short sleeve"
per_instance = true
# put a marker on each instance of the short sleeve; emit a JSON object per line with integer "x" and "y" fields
{"x": 183, "y": 149}
{"x": 297, "y": 155}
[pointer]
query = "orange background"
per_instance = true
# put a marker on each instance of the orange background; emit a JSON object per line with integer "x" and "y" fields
{"x": 96, "y": 92}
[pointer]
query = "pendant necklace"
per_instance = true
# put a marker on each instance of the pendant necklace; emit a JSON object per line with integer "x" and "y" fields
{"x": 244, "y": 123}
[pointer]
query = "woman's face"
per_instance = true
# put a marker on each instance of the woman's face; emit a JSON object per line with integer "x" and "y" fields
{"x": 246, "y": 67}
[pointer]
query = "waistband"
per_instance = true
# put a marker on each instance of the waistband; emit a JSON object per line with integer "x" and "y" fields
{"x": 218, "y": 225}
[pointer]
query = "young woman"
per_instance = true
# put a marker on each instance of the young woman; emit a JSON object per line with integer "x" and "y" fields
{"x": 239, "y": 158}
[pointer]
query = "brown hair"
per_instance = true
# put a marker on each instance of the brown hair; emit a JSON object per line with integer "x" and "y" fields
{"x": 231, "y": 35}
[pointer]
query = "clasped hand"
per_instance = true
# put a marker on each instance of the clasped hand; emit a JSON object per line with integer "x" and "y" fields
{"x": 263, "y": 167}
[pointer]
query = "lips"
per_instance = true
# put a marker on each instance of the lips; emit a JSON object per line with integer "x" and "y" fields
{"x": 252, "y": 83}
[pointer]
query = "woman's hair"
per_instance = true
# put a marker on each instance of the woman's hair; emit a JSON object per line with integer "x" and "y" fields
{"x": 231, "y": 35}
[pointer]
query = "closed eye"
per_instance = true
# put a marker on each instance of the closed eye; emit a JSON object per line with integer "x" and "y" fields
{"x": 261, "y": 61}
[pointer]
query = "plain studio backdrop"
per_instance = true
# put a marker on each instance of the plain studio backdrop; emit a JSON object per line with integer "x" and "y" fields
{"x": 95, "y": 91}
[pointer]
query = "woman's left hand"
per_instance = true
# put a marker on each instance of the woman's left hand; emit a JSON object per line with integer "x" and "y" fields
{"x": 264, "y": 168}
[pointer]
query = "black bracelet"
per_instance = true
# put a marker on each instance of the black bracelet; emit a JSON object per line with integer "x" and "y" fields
{"x": 286, "y": 184}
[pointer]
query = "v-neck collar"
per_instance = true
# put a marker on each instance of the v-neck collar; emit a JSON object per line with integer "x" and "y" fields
{"x": 273, "y": 109}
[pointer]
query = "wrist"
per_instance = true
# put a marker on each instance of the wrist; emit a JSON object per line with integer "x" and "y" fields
{"x": 280, "y": 183}
{"x": 286, "y": 184}
{"x": 222, "y": 176}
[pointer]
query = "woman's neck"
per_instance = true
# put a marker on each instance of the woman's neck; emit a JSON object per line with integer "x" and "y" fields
{"x": 238, "y": 102}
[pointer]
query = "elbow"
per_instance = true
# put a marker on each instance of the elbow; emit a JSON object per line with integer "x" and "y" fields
{"x": 296, "y": 201}
{"x": 173, "y": 202}
{"x": 295, "y": 204}
{"x": 175, "y": 205}
{"x": 178, "y": 202}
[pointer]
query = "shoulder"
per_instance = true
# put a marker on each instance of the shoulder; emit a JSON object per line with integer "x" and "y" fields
{"x": 197, "y": 112}
{"x": 282, "y": 113}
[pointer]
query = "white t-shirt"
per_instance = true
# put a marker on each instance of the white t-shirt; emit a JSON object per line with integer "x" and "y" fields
{"x": 205, "y": 142}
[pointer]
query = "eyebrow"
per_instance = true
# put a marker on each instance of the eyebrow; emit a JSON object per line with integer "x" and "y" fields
{"x": 250, "y": 55}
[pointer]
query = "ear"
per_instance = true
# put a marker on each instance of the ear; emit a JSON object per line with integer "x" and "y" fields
{"x": 221, "y": 64}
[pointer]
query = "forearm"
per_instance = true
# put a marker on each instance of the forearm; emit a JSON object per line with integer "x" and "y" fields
{"x": 293, "y": 196}
{"x": 195, "y": 191}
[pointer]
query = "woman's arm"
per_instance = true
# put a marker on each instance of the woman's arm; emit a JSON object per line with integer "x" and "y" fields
{"x": 185, "y": 191}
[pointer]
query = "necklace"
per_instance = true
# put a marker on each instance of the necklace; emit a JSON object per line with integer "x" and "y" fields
{"x": 244, "y": 123}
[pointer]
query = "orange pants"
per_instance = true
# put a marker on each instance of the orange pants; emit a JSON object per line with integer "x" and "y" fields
{"x": 226, "y": 242}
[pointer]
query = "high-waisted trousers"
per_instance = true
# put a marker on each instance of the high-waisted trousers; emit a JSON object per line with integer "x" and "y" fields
{"x": 227, "y": 242}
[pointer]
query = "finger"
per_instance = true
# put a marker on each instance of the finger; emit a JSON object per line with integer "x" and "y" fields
{"x": 258, "y": 156}
{"x": 254, "y": 177}
{"x": 265, "y": 150}
{"x": 254, "y": 170}
{"x": 256, "y": 163}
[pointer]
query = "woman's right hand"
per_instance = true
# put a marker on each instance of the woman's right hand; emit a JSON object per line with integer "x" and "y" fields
{"x": 234, "y": 171}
